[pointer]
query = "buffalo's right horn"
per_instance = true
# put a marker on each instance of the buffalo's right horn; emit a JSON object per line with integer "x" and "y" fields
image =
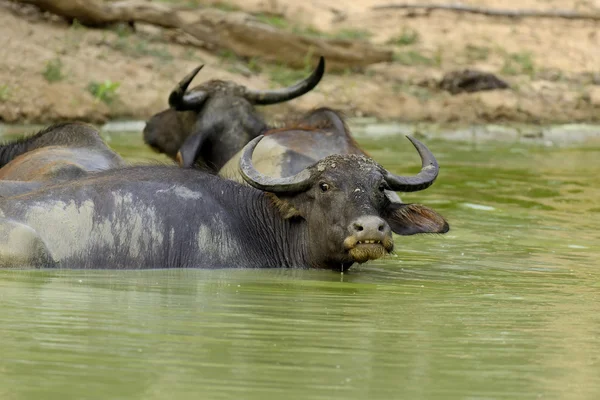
{"x": 293, "y": 184}
{"x": 181, "y": 101}
{"x": 280, "y": 95}
{"x": 425, "y": 177}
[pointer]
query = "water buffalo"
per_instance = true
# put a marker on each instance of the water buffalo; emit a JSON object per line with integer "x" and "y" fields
{"x": 330, "y": 215}
{"x": 60, "y": 152}
{"x": 215, "y": 120}
{"x": 288, "y": 150}
{"x": 299, "y": 143}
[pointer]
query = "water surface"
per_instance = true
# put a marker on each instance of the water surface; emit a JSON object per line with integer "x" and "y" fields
{"x": 504, "y": 306}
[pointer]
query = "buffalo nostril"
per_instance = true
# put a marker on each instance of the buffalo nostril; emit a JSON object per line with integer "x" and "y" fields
{"x": 368, "y": 227}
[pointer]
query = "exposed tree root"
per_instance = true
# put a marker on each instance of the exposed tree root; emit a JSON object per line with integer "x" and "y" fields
{"x": 236, "y": 31}
{"x": 566, "y": 14}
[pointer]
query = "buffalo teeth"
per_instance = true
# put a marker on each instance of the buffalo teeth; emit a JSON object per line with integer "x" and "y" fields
{"x": 369, "y": 242}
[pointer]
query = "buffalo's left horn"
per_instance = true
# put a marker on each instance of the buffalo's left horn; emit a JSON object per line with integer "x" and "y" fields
{"x": 280, "y": 95}
{"x": 297, "y": 183}
{"x": 424, "y": 179}
{"x": 181, "y": 101}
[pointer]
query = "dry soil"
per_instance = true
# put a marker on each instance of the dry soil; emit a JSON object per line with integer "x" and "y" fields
{"x": 48, "y": 68}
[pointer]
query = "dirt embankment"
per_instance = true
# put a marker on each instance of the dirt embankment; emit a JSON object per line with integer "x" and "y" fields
{"x": 50, "y": 70}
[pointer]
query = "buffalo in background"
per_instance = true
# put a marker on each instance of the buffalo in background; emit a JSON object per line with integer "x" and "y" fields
{"x": 58, "y": 153}
{"x": 213, "y": 121}
{"x": 224, "y": 120}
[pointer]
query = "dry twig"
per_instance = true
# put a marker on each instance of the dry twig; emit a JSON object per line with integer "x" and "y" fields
{"x": 566, "y": 14}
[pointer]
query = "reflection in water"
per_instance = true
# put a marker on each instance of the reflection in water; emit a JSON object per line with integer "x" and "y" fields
{"x": 505, "y": 305}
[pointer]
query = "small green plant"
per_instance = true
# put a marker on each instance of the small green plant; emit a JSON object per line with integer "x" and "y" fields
{"x": 227, "y": 55}
{"x": 351, "y": 34}
{"x": 73, "y": 38}
{"x": 53, "y": 71}
{"x": 273, "y": 20}
{"x": 102, "y": 55}
{"x": 422, "y": 94}
{"x": 140, "y": 48}
{"x": 413, "y": 57}
{"x": 284, "y": 76}
{"x": 104, "y": 91}
{"x": 254, "y": 65}
{"x": 307, "y": 31}
{"x": 76, "y": 25}
{"x": 583, "y": 96}
{"x": 143, "y": 48}
{"x": 191, "y": 55}
{"x": 476, "y": 53}
{"x": 123, "y": 30}
{"x": 407, "y": 37}
{"x": 438, "y": 56}
{"x": 4, "y": 93}
{"x": 225, "y": 6}
{"x": 121, "y": 45}
{"x": 398, "y": 87}
{"x": 518, "y": 63}
{"x": 234, "y": 69}
{"x": 555, "y": 75}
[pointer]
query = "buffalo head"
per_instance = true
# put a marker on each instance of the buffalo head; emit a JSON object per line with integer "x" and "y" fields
{"x": 342, "y": 201}
{"x": 211, "y": 122}
{"x": 300, "y": 143}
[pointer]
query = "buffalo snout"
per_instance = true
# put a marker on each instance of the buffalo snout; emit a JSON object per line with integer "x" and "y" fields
{"x": 370, "y": 238}
{"x": 369, "y": 228}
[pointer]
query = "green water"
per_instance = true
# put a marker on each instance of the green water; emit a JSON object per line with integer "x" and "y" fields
{"x": 505, "y": 306}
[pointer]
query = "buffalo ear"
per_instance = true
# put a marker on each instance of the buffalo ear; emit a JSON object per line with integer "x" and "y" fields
{"x": 190, "y": 149}
{"x": 393, "y": 196}
{"x": 192, "y": 145}
{"x": 410, "y": 219}
{"x": 285, "y": 208}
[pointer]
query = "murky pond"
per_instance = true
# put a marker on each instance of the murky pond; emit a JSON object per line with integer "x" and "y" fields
{"x": 505, "y": 306}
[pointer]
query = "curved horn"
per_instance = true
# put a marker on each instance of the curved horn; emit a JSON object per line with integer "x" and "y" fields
{"x": 181, "y": 101}
{"x": 280, "y": 95}
{"x": 297, "y": 183}
{"x": 424, "y": 179}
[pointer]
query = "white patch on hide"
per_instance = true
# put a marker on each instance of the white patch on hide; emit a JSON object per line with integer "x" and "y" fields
{"x": 216, "y": 242}
{"x": 186, "y": 193}
{"x": 72, "y": 230}
{"x": 20, "y": 245}
{"x": 182, "y": 192}
{"x": 172, "y": 238}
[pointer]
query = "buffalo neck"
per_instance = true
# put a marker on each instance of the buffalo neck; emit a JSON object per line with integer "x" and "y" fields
{"x": 278, "y": 242}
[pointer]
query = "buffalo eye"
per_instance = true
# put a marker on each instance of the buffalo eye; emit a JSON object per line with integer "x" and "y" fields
{"x": 324, "y": 186}
{"x": 382, "y": 187}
